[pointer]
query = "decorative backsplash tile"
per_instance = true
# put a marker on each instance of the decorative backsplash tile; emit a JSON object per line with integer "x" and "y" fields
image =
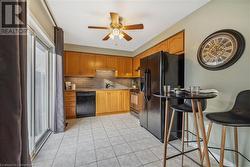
{"x": 99, "y": 81}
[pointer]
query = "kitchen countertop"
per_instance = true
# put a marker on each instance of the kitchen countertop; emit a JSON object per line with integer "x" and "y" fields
{"x": 99, "y": 89}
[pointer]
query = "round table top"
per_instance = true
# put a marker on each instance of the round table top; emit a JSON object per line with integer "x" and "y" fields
{"x": 185, "y": 95}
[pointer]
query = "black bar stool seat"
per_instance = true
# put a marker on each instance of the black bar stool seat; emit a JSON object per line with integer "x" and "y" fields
{"x": 182, "y": 108}
{"x": 230, "y": 118}
{"x": 238, "y": 116}
{"x": 187, "y": 106}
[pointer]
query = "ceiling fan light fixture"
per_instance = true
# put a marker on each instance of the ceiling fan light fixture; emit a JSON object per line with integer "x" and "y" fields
{"x": 115, "y": 31}
{"x": 111, "y": 36}
{"x": 121, "y": 36}
{"x": 116, "y": 28}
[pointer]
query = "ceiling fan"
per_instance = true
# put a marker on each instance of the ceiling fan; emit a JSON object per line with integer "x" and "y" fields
{"x": 117, "y": 28}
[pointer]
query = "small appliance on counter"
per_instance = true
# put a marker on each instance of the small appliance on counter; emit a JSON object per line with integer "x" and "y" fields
{"x": 68, "y": 85}
{"x": 135, "y": 84}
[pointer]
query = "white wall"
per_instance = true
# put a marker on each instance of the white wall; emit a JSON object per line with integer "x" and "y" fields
{"x": 216, "y": 15}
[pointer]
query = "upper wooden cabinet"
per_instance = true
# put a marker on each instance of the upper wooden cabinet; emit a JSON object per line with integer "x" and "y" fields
{"x": 173, "y": 45}
{"x": 86, "y": 64}
{"x": 127, "y": 66}
{"x": 124, "y": 67}
{"x": 176, "y": 43}
{"x": 71, "y": 63}
{"x": 111, "y": 62}
{"x": 100, "y": 62}
{"x": 79, "y": 64}
{"x": 136, "y": 65}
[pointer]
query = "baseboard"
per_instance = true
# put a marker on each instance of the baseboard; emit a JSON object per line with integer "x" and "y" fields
{"x": 226, "y": 162}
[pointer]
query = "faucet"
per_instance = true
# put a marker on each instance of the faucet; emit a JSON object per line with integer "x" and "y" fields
{"x": 108, "y": 85}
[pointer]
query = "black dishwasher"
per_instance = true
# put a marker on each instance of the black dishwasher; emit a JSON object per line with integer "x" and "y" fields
{"x": 85, "y": 104}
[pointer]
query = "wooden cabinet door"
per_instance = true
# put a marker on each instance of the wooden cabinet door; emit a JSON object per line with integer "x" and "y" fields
{"x": 124, "y": 66}
{"x": 112, "y": 62}
{"x": 120, "y": 101}
{"x": 176, "y": 43}
{"x": 124, "y": 100}
{"x": 120, "y": 66}
{"x": 113, "y": 101}
{"x": 136, "y": 65}
{"x": 100, "y": 62}
{"x": 87, "y": 65}
{"x": 126, "y": 104}
{"x": 101, "y": 102}
{"x": 164, "y": 46}
{"x": 70, "y": 104}
{"x": 72, "y": 66}
{"x": 70, "y": 112}
{"x": 128, "y": 66}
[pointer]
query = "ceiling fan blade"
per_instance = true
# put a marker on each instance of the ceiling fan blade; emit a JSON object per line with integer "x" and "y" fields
{"x": 126, "y": 36}
{"x": 106, "y": 37}
{"x": 97, "y": 27}
{"x": 133, "y": 27}
{"x": 114, "y": 18}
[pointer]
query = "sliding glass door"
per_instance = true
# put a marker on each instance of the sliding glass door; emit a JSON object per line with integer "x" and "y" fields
{"x": 38, "y": 74}
{"x": 41, "y": 112}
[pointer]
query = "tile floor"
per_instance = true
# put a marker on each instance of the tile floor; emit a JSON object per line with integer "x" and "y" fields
{"x": 105, "y": 141}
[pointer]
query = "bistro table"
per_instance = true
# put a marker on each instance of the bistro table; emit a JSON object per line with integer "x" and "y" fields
{"x": 195, "y": 98}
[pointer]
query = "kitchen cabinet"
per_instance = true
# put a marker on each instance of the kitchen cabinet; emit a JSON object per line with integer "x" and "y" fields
{"x": 100, "y": 62}
{"x": 87, "y": 65}
{"x": 70, "y": 104}
{"x": 111, "y": 62}
{"x": 79, "y": 64}
{"x": 176, "y": 43}
{"x": 125, "y": 101}
{"x": 124, "y": 67}
{"x": 101, "y": 102}
{"x": 71, "y": 63}
{"x": 128, "y": 66}
{"x": 173, "y": 45}
{"x": 112, "y": 101}
{"x": 136, "y": 65}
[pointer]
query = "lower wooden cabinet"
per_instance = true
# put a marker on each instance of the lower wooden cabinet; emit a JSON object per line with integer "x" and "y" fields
{"x": 112, "y": 101}
{"x": 70, "y": 104}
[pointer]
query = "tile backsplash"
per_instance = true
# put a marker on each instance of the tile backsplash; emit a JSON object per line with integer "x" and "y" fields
{"x": 99, "y": 80}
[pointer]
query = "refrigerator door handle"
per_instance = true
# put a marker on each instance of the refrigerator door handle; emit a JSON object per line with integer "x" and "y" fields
{"x": 146, "y": 85}
{"x": 149, "y": 85}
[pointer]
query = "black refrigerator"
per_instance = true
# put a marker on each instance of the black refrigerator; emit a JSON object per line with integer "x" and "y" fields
{"x": 158, "y": 70}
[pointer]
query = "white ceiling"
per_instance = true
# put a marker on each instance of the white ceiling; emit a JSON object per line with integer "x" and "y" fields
{"x": 74, "y": 16}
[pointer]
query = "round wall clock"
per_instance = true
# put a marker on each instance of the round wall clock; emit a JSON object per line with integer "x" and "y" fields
{"x": 221, "y": 49}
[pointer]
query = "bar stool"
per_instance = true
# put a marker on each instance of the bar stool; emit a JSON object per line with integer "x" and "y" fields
{"x": 185, "y": 109}
{"x": 238, "y": 116}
